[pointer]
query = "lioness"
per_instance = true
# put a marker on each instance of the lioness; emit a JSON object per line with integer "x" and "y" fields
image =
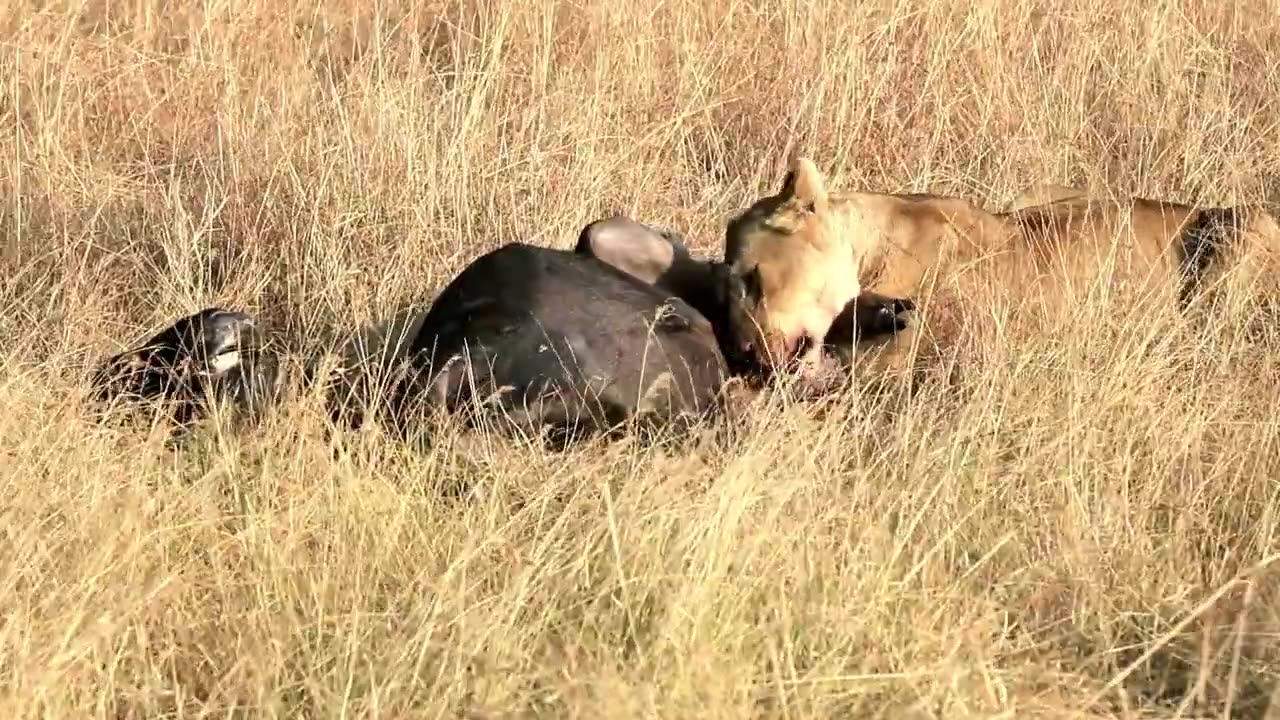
{"x": 796, "y": 257}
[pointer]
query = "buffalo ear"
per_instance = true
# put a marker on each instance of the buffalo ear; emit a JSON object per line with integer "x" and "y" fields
{"x": 629, "y": 246}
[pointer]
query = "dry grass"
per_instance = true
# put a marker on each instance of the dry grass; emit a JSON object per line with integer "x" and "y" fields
{"x": 1080, "y": 525}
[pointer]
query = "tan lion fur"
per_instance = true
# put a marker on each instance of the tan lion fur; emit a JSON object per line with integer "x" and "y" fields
{"x": 798, "y": 255}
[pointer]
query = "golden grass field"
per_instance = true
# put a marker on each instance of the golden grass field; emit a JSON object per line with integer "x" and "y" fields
{"x": 1079, "y": 523}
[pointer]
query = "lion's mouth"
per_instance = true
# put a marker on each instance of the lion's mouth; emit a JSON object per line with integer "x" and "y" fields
{"x": 783, "y": 352}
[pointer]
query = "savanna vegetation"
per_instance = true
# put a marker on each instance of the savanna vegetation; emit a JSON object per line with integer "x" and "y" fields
{"x": 1075, "y": 518}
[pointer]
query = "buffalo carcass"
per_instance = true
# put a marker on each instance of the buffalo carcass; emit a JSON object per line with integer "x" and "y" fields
{"x": 551, "y": 337}
{"x": 540, "y": 338}
{"x": 204, "y": 357}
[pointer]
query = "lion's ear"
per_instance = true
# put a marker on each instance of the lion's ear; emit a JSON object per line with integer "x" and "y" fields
{"x": 805, "y": 185}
